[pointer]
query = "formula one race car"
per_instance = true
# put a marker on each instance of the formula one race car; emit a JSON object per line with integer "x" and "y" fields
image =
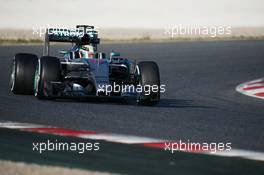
{"x": 83, "y": 72}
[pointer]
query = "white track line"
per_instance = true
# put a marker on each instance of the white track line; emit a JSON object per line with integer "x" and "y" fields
{"x": 16, "y": 125}
{"x": 119, "y": 138}
{"x": 252, "y": 155}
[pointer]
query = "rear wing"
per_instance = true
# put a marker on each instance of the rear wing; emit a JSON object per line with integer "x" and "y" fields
{"x": 71, "y": 36}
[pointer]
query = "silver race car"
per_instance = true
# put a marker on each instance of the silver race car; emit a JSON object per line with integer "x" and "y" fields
{"x": 83, "y": 72}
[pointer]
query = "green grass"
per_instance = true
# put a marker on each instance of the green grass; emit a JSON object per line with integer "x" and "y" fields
{"x": 20, "y": 41}
{"x": 179, "y": 39}
{"x": 141, "y": 39}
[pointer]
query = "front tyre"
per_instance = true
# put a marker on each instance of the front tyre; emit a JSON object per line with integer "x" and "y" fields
{"x": 149, "y": 80}
{"x": 48, "y": 69}
{"x": 22, "y": 75}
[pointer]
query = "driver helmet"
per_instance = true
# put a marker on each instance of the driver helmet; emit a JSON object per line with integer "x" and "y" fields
{"x": 86, "y": 51}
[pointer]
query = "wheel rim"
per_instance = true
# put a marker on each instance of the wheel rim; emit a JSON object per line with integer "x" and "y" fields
{"x": 12, "y": 78}
{"x": 36, "y": 80}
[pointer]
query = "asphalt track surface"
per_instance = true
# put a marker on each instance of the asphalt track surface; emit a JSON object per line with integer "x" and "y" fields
{"x": 200, "y": 103}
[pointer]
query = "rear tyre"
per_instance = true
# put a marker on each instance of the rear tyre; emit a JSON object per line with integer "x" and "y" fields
{"x": 22, "y": 75}
{"x": 149, "y": 79}
{"x": 48, "y": 69}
